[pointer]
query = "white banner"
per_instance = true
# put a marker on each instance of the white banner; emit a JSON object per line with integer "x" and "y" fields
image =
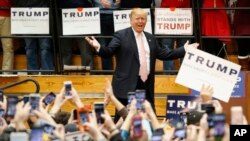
{"x": 173, "y": 22}
{"x": 199, "y": 67}
{"x": 81, "y": 21}
{"x": 29, "y": 20}
{"x": 122, "y": 20}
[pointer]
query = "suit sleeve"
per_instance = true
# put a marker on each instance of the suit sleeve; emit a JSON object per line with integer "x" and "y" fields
{"x": 114, "y": 45}
{"x": 165, "y": 54}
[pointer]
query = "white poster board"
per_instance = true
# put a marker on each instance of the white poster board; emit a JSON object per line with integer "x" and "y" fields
{"x": 199, "y": 67}
{"x": 122, "y": 20}
{"x": 81, "y": 21}
{"x": 29, "y": 20}
{"x": 173, "y": 22}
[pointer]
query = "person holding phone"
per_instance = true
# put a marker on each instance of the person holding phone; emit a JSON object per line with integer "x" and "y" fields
{"x": 136, "y": 53}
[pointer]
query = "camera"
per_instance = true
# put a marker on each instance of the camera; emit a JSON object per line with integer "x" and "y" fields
{"x": 140, "y": 97}
{"x": 180, "y": 130}
{"x": 49, "y": 98}
{"x": 208, "y": 108}
{"x": 11, "y": 105}
{"x": 48, "y": 128}
{"x": 68, "y": 88}
{"x": 99, "y": 110}
{"x": 34, "y": 100}
{"x": 83, "y": 117}
{"x": 137, "y": 126}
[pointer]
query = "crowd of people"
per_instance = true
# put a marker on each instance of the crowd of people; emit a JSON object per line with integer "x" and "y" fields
{"x": 39, "y": 51}
{"x": 43, "y": 120}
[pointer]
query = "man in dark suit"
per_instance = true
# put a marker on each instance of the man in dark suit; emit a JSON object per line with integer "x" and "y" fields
{"x": 126, "y": 44}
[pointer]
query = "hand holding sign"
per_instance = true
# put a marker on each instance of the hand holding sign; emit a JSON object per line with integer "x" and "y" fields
{"x": 188, "y": 46}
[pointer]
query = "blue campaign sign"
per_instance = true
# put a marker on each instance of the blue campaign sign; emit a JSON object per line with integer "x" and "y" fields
{"x": 179, "y": 103}
{"x": 239, "y": 88}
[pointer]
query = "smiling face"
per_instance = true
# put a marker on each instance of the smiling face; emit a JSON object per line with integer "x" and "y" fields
{"x": 138, "y": 19}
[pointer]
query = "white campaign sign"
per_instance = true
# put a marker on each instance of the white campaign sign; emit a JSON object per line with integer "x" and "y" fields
{"x": 29, "y": 20}
{"x": 122, "y": 20}
{"x": 81, "y": 21}
{"x": 173, "y": 22}
{"x": 199, "y": 67}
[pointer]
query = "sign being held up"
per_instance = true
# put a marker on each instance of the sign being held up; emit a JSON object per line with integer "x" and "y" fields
{"x": 29, "y": 20}
{"x": 81, "y": 21}
{"x": 199, "y": 67}
{"x": 173, "y": 22}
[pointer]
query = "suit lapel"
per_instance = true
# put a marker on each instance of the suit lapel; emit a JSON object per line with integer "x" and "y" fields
{"x": 133, "y": 43}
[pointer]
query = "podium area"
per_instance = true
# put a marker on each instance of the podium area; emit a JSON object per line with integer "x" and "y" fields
{"x": 90, "y": 88}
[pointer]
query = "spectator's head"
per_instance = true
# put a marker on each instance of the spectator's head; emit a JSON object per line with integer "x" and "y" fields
{"x": 62, "y": 118}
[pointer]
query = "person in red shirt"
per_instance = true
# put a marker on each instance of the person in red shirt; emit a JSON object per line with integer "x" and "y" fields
{"x": 7, "y": 44}
{"x": 169, "y": 42}
{"x": 214, "y": 23}
{"x": 242, "y": 28}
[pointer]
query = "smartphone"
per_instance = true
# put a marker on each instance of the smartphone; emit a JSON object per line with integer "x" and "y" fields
{"x": 1, "y": 96}
{"x": 208, "y": 108}
{"x": 131, "y": 96}
{"x": 140, "y": 97}
{"x": 210, "y": 120}
{"x": 48, "y": 128}
{"x": 2, "y": 112}
{"x": 99, "y": 110}
{"x": 156, "y": 136}
{"x": 180, "y": 130}
{"x": 26, "y": 99}
{"x": 19, "y": 136}
{"x": 74, "y": 114}
{"x": 68, "y": 88}
{"x": 219, "y": 125}
{"x": 137, "y": 126}
{"x": 236, "y": 115}
{"x": 34, "y": 100}
{"x": 11, "y": 105}
{"x": 49, "y": 98}
{"x": 83, "y": 117}
{"x": 36, "y": 134}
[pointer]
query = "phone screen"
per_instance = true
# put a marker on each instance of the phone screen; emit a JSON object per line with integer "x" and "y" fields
{"x": 208, "y": 108}
{"x": 131, "y": 96}
{"x": 68, "y": 88}
{"x": 83, "y": 117}
{"x": 26, "y": 99}
{"x": 99, "y": 110}
{"x": 75, "y": 114}
{"x": 36, "y": 134}
{"x": 11, "y": 105}
{"x": 1, "y": 96}
{"x": 219, "y": 122}
{"x": 140, "y": 97}
{"x": 180, "y": 131}
{"x": 49, "y": 98}
{"x": 47, "y": 128}
{"x": 137, "y": 127}
{"x": 34, "y": 102}
{"x": 1, "y": 112}
{"x": 157, "y": 136}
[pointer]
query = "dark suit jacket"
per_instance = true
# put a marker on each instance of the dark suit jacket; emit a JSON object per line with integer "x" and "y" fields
{"x": 124, "y": 46}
